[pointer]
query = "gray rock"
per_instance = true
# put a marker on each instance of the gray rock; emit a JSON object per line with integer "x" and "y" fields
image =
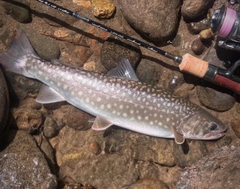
{"x": 220, "y": 169}
{"x": 113, "y": 48}
{"x": 18, "y": 10}
{"x": 193, "y": 9}
{"x": 22, "y": 164}
{"x": 156, "y": 20}
{"x": 4, "y": 101}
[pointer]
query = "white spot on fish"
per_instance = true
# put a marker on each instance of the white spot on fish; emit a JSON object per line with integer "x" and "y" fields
{"x": 80, "y": 93}
{"x": 124, "y": 115}
{"x": 139, "y": 117}
{"x": 109, "y": 106}
{"x": 102, "y": 106}
{"x": 65, "y": 87}
{"x": 131, "y": 111}
{"x": 99, "y": 99}
{"x": 121, "y": 106}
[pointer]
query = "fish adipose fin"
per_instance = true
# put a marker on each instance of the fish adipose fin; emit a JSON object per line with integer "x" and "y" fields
{"x": 101, "y": 123}
{"x": 14, "y": 59}
{"x": 48, "y": 95}
{"x": 123, "y": 70}
{"x": 179, "y": 138}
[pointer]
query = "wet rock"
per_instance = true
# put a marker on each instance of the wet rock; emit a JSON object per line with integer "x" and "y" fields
{"x": 30, "y": 103}
{"x": 22, "y": 164}
{"x": 78, "y": 119}
{"x": 148, "y": 182}
{"x": 28, "y": 119}
{"x": 134, "y": 145}
{"x": 45, "y": 47}
{"x": 60, "y": 115}
{"x": 102, "y": 8}
{"x": 149, "y": 72}
{"x": 156, "y": 20}
{"x": 113, "y": 48}
{"x": 196, "y": 27}
{"x": 215, "y": 100}
{"x": 21, "y": 86}
{"x": 50, "y": 128}
{"x": 4, "y": 101}
{"x": 197, "y": 46}
{"x": 206, "y": 34}
{"x": 211, "y": 171}
{"x": 189, "y": 152}
{"x": 95, "y": 148}
{"x": 183, "y": 90}
{"x": 18, "y": 10}
{"x": 193, "y": 9}
{"x": 235, "y": 124}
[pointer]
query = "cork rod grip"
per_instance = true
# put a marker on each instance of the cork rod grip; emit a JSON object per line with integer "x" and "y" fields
{"x": 193, "y": 65}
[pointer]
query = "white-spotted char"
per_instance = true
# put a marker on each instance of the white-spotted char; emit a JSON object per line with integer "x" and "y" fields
{"x": 117, "y": 98}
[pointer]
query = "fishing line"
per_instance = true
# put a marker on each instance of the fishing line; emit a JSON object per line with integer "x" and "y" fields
{"x": 177, "y": 59}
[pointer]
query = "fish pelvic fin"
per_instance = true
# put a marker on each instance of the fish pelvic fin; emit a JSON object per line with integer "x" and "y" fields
{"x": 101, "y": 123}
{"x": 15, "y": 58}
{"x": 179, "y": 138}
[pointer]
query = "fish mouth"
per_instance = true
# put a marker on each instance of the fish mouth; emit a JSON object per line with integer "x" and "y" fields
{"x": 214, "y": 135}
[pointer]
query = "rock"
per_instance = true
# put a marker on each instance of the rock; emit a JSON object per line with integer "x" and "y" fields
{"x": 212, "y": 170}
{"x": 113, "y": 48}
{"x": 148, "y": 182}
{"x": 156, "y": 20}
{"x": 4, "y": 101}
{"x": 28, "y": 119}
{"x": 50, "y": 128}
{"x": 206, "y": 34}
{"x": 235, "y": 124}
{"x": 18, "y": 10}
{"x": 22, "y": 164}
{"x": 196, "y": 27}
{"x": 197, "y": 46}
{"x": 102, "y": 8}
{"x": 193, "y": 9}
{"x": 189, "y": 152}
{"x": 149, "y": 72}
{"x": 83, "y": 3}
{"x": 45, "y": 47}
{"x": 95, "y": 148}
{"x": 78, "y": 119}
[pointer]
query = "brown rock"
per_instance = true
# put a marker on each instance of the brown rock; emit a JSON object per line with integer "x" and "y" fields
{"x": 197, "y": 46}
{"x": 148, "y": 182}
{"x": 235, "y": 124}
{"x": 102, "y": 8}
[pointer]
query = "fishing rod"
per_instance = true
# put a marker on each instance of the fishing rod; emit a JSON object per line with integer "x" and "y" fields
{"x": 177, "y": 59}
{"x": 187, "y": 63}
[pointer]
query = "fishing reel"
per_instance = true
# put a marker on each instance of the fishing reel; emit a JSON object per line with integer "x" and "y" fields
{"x": 225, "y": 23}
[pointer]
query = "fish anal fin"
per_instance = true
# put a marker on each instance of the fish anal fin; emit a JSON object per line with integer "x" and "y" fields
{"x": 48, "y": 95}
{"x": 101, "y": 123}
{"x": 124, "y": 70}
{"x": 179, "y": 138}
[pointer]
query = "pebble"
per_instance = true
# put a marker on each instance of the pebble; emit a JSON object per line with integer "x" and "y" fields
{"x": 195, "y": 9}
{"x": 95, "y": 148}
{"x": 102, "y": 8}
{"x": 50, "y": 128}
{"x": 22, "y": 163}
{"x": 4, "y": 101}
{"x": 206, "y": 34}
{"x": 197, "y": 46}
{"x": 20, "y": 13}
{"x": 28, "y": 119}
{"x": 235, "y": 124}
{"x": 156, "y": 20}
{"x": 148, "y": 182}
{"x": 113, "y": 48}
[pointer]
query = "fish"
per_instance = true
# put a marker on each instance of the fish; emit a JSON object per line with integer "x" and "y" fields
{"x": 116, "y": 98}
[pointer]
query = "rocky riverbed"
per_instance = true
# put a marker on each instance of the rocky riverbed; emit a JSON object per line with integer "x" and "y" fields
{"x": 53, "y": 145}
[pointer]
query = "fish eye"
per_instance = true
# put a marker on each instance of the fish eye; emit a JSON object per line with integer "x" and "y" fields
{"x": 213, "y": 126}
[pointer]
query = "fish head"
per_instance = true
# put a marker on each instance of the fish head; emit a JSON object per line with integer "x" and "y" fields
{"x": 202, "y": 126}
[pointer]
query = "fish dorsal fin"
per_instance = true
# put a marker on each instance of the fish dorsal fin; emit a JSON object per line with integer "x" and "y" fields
{"x": 123, "y": 70}
{"x": 179, "y": 138}
{"x": 101, "y": 123}
{"x": 48, "y": 95}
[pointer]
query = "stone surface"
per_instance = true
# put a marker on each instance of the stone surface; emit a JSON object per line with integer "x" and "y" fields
{"x": 235, "y": 124}
{"x": 22, "y": 164}
{"x": 196, "y": 27}
{"x": 113, "y": 48}
{"x": 193, "y": 9}
{"x": 217, "y": 170}
{"x": 50, "y": 127}
{"x": 103, "y": 8}
{"x": 19, "y": 10}
{"x": 155, "y": 20}
{"x": 148, "y": 182}
{"x": 197, "y": 46}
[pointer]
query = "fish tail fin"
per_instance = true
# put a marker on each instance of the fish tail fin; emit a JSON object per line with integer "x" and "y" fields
{"x": 15, "y": 58}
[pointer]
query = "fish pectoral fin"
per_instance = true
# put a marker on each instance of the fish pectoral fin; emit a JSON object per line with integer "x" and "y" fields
{"x": 101, "y": 123}
{"x": 48, "y": 95}
{"x": 123, "y": 70}
{"x": 179, "y": 138}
